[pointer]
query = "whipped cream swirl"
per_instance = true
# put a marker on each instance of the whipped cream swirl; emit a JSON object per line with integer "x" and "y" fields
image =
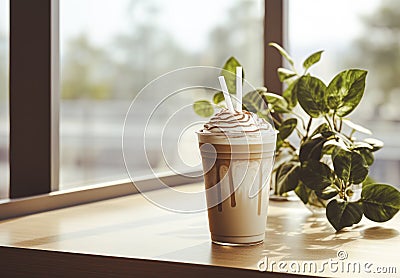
{"x": 238, "y": 122}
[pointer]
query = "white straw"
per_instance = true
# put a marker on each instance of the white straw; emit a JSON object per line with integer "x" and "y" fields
{"x": 239, "y": 89}
{"x": 226, "y": 94}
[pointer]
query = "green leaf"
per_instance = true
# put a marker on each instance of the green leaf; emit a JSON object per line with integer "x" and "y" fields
{"x": 316, "y": 175}
{"x": 264, "y": 115}
{"x": 279, "y": 142}
{"x": 276, "y": 102}
{"x": 345, "y": 91}
{"x": 312, "y": 59}
{"x": 368, "y": 180}
{"x": 328, "y": 134}
{"x": 322, "y": 128}
{"x": 357, "y": 127}
{"x": 350, "y": 166}
{"x": 288, "y": 177}
{"x": 328, "y": 149}
{"x": 367, "y": 155}
{"x": 332, "y": 146}
{"x": 255, "y": 101}
{"x": 303, "y": 192}
{"x": 311, "y": 95}
{"x": 375, "y": 143}
{"x": 287, "y": 127}
{"x": 312, "y": 149}
{"x": 203, "y": 108}
{"x": 343, "y": 214}
{"x": 229, "y": 72}
{"x": 380, "y": 202}
{"x": 290, "y": 95}
{"x": 282, "y": 52}
{"x": 327, "y": 193}
{"x": 362, "y": 145}
{"x": 218, "y": 98}
{"x": 285, "y": 74}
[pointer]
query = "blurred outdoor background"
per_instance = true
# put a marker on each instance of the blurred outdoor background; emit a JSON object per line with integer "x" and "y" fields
{"x": 111, "y": 49}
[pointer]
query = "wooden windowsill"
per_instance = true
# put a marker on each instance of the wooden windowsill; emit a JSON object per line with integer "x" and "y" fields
{"x": 130, "y": 234}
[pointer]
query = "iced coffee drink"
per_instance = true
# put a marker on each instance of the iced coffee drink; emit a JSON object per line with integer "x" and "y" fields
{"x": 237, "y": 152}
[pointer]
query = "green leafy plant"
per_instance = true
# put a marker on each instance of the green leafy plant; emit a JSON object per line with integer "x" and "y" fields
{"x": 327, "y": 162}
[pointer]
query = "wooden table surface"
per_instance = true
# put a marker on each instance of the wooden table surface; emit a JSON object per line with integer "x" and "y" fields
{"x": 131, "y": 227}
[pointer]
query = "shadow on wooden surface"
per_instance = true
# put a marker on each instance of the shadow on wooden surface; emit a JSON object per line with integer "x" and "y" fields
{"x": 18, "y": 262}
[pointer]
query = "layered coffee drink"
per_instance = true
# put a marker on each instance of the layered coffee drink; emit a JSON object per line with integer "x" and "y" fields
{"x": 237, "y": 152}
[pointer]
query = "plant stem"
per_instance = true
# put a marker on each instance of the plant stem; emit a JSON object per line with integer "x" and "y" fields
{"x": 300, "y": 117}
{"x": 334, "y": 121}
{"x": 342, "y": 192}
{"x": 329, "y": 123}
{"x": 340, "y": 125}
{"x": 352, "y": 133}
{"x": 301, "y": 136}
{"x": 276, "y": 122}
{"x": 291, "y": 146}
{"x": 308, "y": 127}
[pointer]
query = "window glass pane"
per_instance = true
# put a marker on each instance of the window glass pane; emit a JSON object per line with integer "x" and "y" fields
{"x": 358, "y": 34}
{"x": 4, "y": 116}
{"x": 112, "y": 49}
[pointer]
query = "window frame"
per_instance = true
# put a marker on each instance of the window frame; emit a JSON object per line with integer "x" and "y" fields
{"x": 274, "y": 18}
{"x": 34, "y": 178}
{"x": 34, "y": 101}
